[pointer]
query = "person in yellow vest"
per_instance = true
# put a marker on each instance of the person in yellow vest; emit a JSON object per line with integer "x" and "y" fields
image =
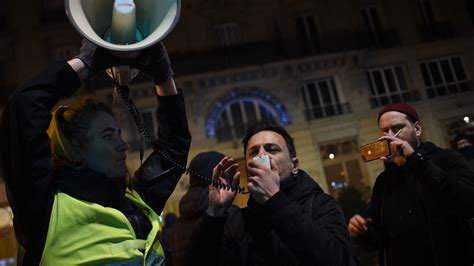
{"x": 66, "y": 179}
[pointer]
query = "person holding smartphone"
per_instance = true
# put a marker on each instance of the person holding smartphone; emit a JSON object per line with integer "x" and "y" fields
{"x": 421, "y": 203}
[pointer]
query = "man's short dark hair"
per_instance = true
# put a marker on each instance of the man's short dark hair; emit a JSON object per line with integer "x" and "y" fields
{"x": 268, "y": 126}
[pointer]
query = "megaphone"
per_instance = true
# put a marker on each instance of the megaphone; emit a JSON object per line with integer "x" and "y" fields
{"x": 123, "y": 26}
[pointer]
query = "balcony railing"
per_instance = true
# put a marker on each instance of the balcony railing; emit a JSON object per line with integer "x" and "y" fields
{"x": 407, "y": 96}
{"x": 447, "y": 89}
{"x": 317, "y": 112}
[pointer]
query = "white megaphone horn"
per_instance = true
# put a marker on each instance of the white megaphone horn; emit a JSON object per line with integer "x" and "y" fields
{"x": 123, "y": 26}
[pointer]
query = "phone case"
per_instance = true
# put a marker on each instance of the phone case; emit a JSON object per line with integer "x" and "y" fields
{"x": 375, "y": 150}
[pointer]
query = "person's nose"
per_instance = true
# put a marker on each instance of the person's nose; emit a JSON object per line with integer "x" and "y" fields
{"x": 123, "y": 146}
{"x": 262, "y": 151}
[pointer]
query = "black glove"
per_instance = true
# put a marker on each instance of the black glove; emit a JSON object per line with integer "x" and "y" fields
{"x": 97, "y": 58}
{"x": 154, "y": 62}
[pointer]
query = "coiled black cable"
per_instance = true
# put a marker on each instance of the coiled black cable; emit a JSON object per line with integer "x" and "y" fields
{"x": 123, "y": 92}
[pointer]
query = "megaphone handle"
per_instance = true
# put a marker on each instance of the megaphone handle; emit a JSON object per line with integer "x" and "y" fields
{"x": 120, "y": 74}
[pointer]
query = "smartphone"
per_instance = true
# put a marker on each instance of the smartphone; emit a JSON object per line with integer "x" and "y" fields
{"x": 263, "y": 159}
{"x": 375, "y": 150}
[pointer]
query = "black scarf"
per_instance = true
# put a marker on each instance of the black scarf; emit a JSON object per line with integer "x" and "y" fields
{"x": 467, "y": 152}
{"x": 88, "y": 185}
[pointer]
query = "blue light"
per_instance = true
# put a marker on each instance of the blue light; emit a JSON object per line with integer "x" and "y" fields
{"x": 335, "y": 185}
{"x": 254, "y": 93}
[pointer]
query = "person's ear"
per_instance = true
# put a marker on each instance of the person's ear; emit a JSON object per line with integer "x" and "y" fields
{"x": 296, "y": 164}
{"x": 417, "y": 127}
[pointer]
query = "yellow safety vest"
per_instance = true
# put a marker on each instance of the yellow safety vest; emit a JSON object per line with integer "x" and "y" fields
{"x": 82, "y": 232}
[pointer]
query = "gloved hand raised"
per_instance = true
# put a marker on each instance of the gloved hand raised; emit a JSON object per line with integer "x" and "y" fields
{"x": 97, "y": 58}
{"x": 154, "y": 62}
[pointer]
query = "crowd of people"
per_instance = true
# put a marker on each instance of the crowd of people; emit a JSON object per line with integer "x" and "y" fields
{"x": 75, "y": 202}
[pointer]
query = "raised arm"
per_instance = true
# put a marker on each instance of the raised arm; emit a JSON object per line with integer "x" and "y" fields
{"x": 159, "y": 174}
{"x": 27, "y": 160}
{"x": 208, "y": 245}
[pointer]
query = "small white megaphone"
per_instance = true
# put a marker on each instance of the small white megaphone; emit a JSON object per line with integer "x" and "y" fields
{"x": 123, "y": 26}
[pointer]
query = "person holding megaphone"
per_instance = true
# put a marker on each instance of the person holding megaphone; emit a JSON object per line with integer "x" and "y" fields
{"x": 65, "y": 173}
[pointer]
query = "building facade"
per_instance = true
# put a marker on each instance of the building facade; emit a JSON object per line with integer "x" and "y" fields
{"x": 323, "y": 69}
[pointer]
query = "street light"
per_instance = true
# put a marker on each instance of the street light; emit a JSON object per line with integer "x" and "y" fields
{"x": 466, "y": 119}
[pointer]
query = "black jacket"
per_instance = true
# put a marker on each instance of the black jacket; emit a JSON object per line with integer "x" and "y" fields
{"x": 300, "y": 225}
{"x": 420, "y": 211}
{"x": 192, "y": 207}
{"x": 32, "y": 178}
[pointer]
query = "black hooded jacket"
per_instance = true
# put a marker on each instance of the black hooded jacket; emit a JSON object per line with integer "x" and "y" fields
{"x": 420, "y": 211}
{"x": 300, "y": 225}
{"x": 32, "y": 178}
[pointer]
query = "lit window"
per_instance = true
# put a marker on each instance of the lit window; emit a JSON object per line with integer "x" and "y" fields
{"x": 322, "y": 99}
{"x": 336, "y": 149}
{"x": 235, "y": 113}
{"x": 341, "y": 165}
{"x": 239, "y": 115}
{"x": 444, "y": 76}
{"x": 10, "y": 261}
{"x": 388, "y": 85}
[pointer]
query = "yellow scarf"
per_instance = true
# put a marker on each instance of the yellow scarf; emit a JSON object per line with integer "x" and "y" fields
{"x": 61, "y": 148}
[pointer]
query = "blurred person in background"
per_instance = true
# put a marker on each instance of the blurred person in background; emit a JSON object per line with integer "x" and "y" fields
{"x": 421, "y": 202}
{"x": 192, "y": 206}
{"x": 465, "y": 147}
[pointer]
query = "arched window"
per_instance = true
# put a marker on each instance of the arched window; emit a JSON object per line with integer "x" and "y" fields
{"x": 233, "y": 114}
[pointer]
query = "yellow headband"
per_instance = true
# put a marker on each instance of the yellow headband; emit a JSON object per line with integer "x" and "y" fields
{"x": 61, "y": 148}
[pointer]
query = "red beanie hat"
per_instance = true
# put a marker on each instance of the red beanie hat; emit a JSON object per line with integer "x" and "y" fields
{"x": 402, "y": 108}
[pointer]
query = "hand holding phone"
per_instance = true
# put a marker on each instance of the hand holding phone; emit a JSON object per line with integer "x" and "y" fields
{"x": 380, "y": 148}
